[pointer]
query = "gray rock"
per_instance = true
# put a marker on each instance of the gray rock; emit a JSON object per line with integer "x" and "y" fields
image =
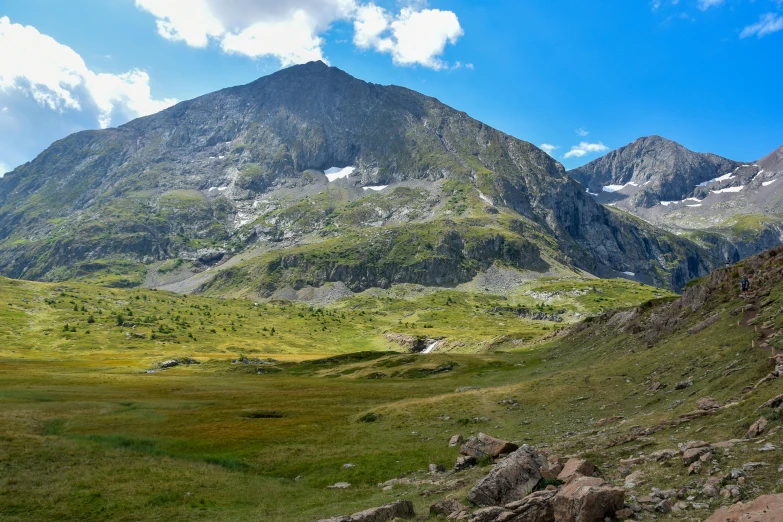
{"x": 513, "y": 478}
{"x": 397, "y": 509}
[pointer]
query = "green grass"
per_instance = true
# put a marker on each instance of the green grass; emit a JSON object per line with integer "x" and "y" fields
{"x": 87, "y": 435}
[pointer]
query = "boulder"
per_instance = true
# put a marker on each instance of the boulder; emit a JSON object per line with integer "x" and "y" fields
{"x": 397, "y": 509}
{"x": 456, "y": 440}
{"x": 339, "y": 485}
{"x": 447, "y": 506}
{"x": 768, "y": 508}
{"x": 484, "y": 445}
{"x": 574, "y": 468}
{"x": 707, "y": 403}
{"x": 587, "y": 499}
{"x": 513, "y": 478}
{"x": 757, "y": 428}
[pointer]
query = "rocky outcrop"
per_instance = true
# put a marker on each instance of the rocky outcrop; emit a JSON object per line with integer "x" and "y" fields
{"x": 511, "y": 479}
{"x": 397, "y": 509}
{"x": 768, "y": 508}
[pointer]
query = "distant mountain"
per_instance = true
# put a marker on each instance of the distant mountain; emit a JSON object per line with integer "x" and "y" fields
{"x": 733, "y": 208}
{"x": 311, "y": 176}
{"x": 661, "y": 170}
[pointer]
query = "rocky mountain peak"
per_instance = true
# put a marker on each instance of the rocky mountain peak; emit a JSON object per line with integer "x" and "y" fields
{"x": 772, "y": 162}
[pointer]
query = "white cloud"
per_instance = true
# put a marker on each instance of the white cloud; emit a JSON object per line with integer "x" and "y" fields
{"x": 549, "y": 149}
{"x": 768, "y": 24}
{"x": 581, "y": 132}
{"x": 706, "y": 4}
{"x": 291, "y": 31}
{"x": 57, "y": 78}
{"x": 4, "y": 168}
{"x": 585, "y": 148}
{"x": 413, "y": 37}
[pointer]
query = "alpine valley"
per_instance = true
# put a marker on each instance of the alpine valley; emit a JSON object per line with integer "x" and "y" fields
{"x": 312, "y": 296}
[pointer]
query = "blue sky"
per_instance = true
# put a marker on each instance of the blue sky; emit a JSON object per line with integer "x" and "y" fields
{"x": 579, "y": 75}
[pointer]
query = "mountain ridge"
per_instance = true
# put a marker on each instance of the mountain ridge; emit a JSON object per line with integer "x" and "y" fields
{"x": 244, "y": 167}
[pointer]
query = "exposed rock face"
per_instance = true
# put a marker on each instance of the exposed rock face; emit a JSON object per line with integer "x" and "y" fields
{"x": 587, "y": 499}
{"x": 216, "y": 169}
{"x": 397, "y": 509}
{"x": 483, "y": 445}
{"x": 511, "y": 479}
{"x": 768, "y": 508}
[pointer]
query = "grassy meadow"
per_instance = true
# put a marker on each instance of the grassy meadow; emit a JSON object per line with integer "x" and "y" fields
{"x": 87, "y": 434}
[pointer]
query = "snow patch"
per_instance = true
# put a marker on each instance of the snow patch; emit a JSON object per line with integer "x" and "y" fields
{"x": 629, "y": 274}
{"x": 692, "y": 206}
{"x": 725, "y": 177}
{"x": 615, "y": 188}
{"x": 221, "y": 189}
{"x": 487, "y": 200}
{"x": 376, "y": 188}
{"x": 729, "y": 189}
{"x": 768, "y": 183}
{"x": 336, "y": 173}
{"x": 591, "y": 193}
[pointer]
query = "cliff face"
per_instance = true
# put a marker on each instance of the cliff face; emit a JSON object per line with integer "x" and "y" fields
{"x": 244, "y": 168}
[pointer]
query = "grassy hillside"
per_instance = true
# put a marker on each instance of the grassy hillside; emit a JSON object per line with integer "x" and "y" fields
{"x": 219, "y": 440}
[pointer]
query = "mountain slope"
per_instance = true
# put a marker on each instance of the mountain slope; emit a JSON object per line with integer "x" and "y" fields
{"x": 306, "y": 155}
{"x": 731, "y": 208}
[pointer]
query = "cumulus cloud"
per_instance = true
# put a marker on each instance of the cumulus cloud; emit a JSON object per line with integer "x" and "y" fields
{"x": 3, "y": 169}
{"x": 291, "y": 31}
{"x": 706, "y": 4}
{"x": 585, "y": 148}
{"x": 768, "y": 24}
{"x": 57, "y": 78}
{"x": 549, "y": 149}
{"x": 412, "y": 37}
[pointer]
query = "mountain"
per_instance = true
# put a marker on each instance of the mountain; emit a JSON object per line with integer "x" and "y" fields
{"x": 661, "y": 169}
{"x": 310, "y": 176}
{"x": 730, "y": 207}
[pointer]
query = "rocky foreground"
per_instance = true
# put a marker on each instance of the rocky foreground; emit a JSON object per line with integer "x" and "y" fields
{"x": 691, "y": 471}
{"x": 525, "y": 485}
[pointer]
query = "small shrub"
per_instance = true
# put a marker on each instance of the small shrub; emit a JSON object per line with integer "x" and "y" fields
{"x": 370, "y": 417}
